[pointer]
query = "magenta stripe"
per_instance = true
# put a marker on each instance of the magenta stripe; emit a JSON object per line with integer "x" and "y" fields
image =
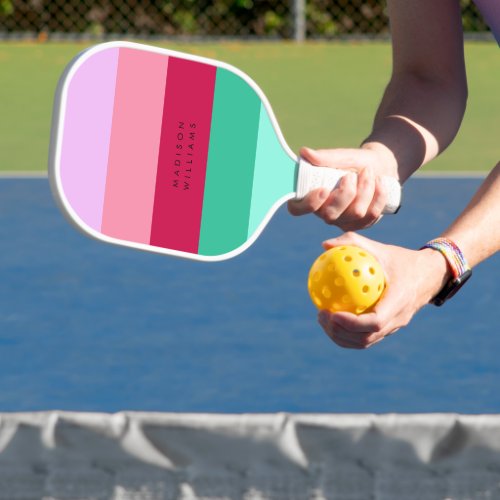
{"x": 180, "y": 182}
{"x": 86, "y": 135}
{"x": 135, "y": 138}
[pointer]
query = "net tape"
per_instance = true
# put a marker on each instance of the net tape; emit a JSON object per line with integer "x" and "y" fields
{"x": 159, "y": 456}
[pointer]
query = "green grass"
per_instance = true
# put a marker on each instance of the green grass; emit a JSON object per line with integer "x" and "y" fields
{"x": 324, "y": 95}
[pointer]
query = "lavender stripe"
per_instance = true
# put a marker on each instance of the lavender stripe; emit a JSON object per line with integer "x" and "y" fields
{"x": 86, "y": 135}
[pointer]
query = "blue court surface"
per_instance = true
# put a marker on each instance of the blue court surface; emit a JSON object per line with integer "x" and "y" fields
{"x": 92, "y": 327}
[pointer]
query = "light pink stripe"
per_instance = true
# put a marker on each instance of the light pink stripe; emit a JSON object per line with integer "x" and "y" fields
{"x": 86, "y": 135}
{"x": 135, "y": 139}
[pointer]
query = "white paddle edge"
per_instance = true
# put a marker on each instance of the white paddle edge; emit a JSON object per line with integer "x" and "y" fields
{"x": 56, "y": 139}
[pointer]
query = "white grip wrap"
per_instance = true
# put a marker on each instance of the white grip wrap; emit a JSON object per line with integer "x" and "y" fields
{"x": 310, "y": 177}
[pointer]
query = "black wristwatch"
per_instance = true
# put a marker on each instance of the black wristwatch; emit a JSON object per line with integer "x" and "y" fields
{"x": 460, "y": 270}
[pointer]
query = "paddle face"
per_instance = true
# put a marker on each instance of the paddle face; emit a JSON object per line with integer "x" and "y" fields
{"x": 166, "y": 152}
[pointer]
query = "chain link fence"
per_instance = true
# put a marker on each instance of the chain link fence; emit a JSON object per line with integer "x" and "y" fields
{"x": 284, "y": 19}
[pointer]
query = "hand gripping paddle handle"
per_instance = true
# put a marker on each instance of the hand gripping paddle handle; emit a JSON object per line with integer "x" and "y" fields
{"x": 310, "y": 177}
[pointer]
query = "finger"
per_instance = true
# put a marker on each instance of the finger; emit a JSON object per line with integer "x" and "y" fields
{"x": 362, "y": 340}
{"x": 353, "y": 341}
{"x": 375, "y": 210}
{"x": 313, "y": 156}
{"x": 339, "y": 335}
{"x": 365, "y": 190}
{"x": 345, "y": 344}
{"x": 348, "y": 238}
{"x": 349, "y": 338}
{"x": 357, "y": 225}
{"x": 365, "y": 324}
{"x": 384, "y": 319}
{"x": 310, "y": 203}
{"x": 340, "y": 198}
{"x": 353, "y": 159}
{"x": 341, "y": 340}
{"x": 378, "y": 250}
{"x": 357, "y": 340}
{"x": 379, "y": 201}
{"x": 360, "y": 213}
{"x": 374, "y": 342}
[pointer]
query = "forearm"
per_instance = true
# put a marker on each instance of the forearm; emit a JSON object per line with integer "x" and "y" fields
{"x": 424, "y": 103}
{"x": 477, "y": 230}
{"x": 416, "y": 120}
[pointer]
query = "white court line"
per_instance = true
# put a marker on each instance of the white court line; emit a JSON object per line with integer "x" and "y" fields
{"x": 23, "y": 174}
{"x": 431, "y": 174}
{"x": 453, "y": 174}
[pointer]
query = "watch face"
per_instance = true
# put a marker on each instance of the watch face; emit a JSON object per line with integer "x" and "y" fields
{"x": 451, "y": 288}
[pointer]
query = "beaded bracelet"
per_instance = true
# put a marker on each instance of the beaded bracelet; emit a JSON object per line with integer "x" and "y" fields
{"x": 452, "y": 254}
{"x": 459, "y": 267}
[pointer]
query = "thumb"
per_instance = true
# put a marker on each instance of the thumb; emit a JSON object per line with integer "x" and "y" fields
{"x": 348, "y": 238}
{"x": 336, "y": 158}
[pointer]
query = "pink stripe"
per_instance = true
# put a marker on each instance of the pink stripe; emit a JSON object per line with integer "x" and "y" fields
{"x": 180, "y": 182}
{"x": 135, "y": 138}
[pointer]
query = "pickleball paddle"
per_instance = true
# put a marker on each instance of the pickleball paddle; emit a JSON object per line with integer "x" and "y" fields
{"x": 172, "y": 153}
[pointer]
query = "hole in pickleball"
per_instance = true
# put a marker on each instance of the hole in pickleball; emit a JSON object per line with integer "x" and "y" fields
{"x": 339, "y": 281}
{"x": 348, "y": 258}
{"x": 379, "y": 287}
{"x": 356, "y": 273}
{"x": 363, "y": 254}
{"x": 366, "y": 289}
{"x": 327, "y": 293}
{"x": 346, "y": 299}
{"x": 372, "y": 270}
{"x": 317, "y": 276}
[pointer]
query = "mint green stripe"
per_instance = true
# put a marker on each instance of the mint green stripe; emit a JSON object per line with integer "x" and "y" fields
{"x": 231, "y": 159}
{"x": 274, "y": 174}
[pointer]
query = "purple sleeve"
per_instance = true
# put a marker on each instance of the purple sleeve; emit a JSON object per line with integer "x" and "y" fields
{"x": 490, "y": 9}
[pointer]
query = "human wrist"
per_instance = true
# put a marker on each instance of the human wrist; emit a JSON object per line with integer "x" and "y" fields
{"x": 436, "y": 272}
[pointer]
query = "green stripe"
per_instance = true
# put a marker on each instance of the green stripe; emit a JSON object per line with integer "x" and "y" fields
{"x": 274, "y": 175}
{"x": 231, "y": 159}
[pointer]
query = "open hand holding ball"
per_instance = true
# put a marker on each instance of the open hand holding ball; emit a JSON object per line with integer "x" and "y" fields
{"x": 346, "y": 278}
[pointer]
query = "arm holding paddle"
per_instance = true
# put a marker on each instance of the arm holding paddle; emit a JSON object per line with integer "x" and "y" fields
{"x": 418, "y": 117}
{"x": 415, "y": 277}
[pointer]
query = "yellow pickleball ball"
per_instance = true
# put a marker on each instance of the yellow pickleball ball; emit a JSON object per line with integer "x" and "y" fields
{"x": 346, "y": 278}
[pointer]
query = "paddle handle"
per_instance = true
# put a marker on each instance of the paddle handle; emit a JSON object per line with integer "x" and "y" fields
{"x": 310, "y": 177}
